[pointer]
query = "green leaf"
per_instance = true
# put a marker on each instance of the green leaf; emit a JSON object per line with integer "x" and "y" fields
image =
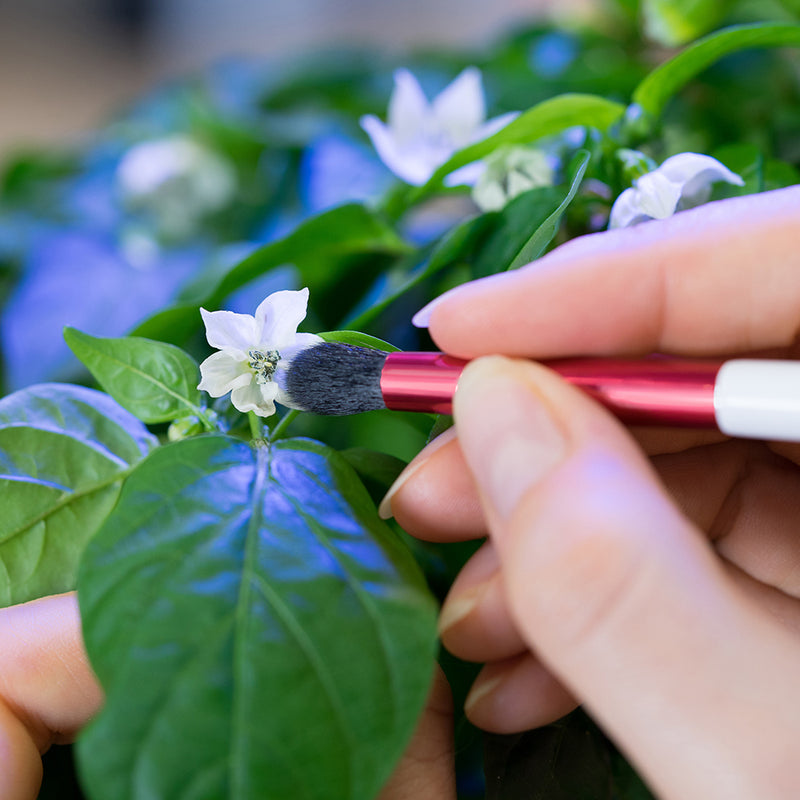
{"x": 456, "y": 244}
{"x": 547, "y": 231}
{"x": 337, "y": 253}
{"x": 545, "y": 119}
{"x": 343, "y": 230}
{"x": 156, "y": 382}
{"x": 358, "y": 339}
{"x": 675, "y": 22}
{"x": 653, "y": 93}
{"x": 259, "y": 632}
{"x": 64, "y": 452}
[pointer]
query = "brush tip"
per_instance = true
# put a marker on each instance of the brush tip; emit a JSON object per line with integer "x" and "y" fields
{"x": 335, "y": 379}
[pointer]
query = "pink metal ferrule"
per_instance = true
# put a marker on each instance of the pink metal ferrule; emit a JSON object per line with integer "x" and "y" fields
{"x": 651, "y": 391}
{"x": 420, "y": 381}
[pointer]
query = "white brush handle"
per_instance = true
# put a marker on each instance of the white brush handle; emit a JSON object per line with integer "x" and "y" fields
{"x": 758, "y": 399}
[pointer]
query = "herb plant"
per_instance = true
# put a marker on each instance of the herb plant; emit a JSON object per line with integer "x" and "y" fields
{"x": 258, "y": 630}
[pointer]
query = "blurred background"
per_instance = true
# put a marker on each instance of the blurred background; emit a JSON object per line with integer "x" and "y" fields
{"x": 69, "y": 65}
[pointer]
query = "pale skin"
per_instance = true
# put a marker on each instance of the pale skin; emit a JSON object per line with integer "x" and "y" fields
{"x": 652, "y": 576}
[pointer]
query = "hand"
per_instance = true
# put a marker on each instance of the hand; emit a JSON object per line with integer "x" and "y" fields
{"x": 656, "y": 581}
{"x": 47, "y": 689}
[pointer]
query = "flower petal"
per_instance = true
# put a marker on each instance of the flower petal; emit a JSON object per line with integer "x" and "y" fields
{"x": 460, "y": 108}
{"x": 220, "y": 373}
{"x": 656, "y": 195}
{"x": 259, "y": 399}
{"x": 278, "y": 316}
{"x": 227, "y": 330}
{"x": 626, "y": 210}
{"x": 490, "y": 127}
{"x": 413, "y": 163}
{"x": 468, "y": 175}
{"x": 409, "y": 110}
{"x": 685, "y": 168}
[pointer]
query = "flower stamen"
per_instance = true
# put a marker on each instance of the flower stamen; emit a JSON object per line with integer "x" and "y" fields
{"x": 263, "y": 364}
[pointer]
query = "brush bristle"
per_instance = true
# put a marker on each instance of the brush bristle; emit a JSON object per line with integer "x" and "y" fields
{"x": 335, "y": 379}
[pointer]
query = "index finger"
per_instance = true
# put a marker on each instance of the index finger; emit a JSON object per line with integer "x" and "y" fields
{"x": 722, "y": 278}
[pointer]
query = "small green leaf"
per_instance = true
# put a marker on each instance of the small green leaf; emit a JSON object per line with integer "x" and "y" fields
{"x": 548, "y": 118}
{"x": 547, "y": 231}
{"x": 653, "y": 93}
{"x": 156, "y": 382}
{"x": 358, "y": 339}
{"x": 675, "y": 22}
{"x": 259, "y": 632}
{"x": 64, "y": 452}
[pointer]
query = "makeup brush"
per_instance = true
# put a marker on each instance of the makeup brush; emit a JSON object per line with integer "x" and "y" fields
{"x": 748, "y": 398}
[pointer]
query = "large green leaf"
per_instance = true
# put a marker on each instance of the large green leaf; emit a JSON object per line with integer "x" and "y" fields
{"x": 64, "y": 451}
{"x": 257, "y": 629}
{"x": 653, "y": 93}
{"x": 547, "y": 118}
{"x": 156, "y": 382}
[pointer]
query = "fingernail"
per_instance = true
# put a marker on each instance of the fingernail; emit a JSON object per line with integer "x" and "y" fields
{"x": 507, "y": 430}
{"x": 423, "y": 317}
{"x": 480, "y": 690}
{"x": 457, "y": 608}
{"x": 385, "y": 507}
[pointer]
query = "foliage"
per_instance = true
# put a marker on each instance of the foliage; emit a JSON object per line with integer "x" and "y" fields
{"x": 245, "y": 609}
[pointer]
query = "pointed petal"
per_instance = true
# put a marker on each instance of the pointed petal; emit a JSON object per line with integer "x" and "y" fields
{"x": 227, "y": 330}
{"x": 278, "y": 316}
{"x": 460, "y": 108}
{"x": 467, "y": 175}
{"x": 408, "y": 164}
{"x": 220, "y": 373}
{"x": 259, "y": 399}
{"x": 686, "y": 168}
{"x": 490, "y": 127}
{"x": 409, "y": 110}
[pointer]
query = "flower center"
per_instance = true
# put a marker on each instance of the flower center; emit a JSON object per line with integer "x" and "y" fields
{"x": 263, "y": 364}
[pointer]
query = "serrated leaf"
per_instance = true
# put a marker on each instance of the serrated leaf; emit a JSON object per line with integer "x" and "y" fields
{"x": 547, "y": 118}
{"x": 156, "y": 382}
{"x": 64, "y": 452}
{"x": 653, "y": 93}
{"x": 257, "y": 629}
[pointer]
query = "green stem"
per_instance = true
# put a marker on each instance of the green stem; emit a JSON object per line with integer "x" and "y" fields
{"x": 256, "y": 426}
{"x": 283, "y": 424}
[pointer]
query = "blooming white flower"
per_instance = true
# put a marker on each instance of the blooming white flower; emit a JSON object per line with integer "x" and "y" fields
{"x": 255, "y": 351}
{"x": 509, "y": 172}
{"x": 177, "y": 179}
{"x": 421, "y": 135}
{"x": 682, "y": 181}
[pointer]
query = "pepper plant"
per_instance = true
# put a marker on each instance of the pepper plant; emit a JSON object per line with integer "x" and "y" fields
{"x": 258, "y": 630}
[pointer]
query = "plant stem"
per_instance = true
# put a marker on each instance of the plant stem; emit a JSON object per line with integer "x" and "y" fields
{"x": 256, "y": 426}
{"x": 283, "y": 424}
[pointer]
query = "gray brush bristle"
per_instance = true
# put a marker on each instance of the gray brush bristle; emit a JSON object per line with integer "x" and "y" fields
{"x": 336, "y": 379}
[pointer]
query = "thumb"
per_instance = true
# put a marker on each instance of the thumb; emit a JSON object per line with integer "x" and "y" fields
{"x": 621, "y": 597}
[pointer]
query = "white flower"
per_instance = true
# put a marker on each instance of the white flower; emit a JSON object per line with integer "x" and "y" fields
{"x": 421, "y": 135}
{"x": 254, "y": 352}
{"x": 178, "y": 180}
{"x": 509, "y": 172}
{"x": 682, "y": 181}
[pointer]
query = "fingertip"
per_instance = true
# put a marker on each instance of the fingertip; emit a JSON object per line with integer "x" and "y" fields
{"x": 516, "y": 695}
